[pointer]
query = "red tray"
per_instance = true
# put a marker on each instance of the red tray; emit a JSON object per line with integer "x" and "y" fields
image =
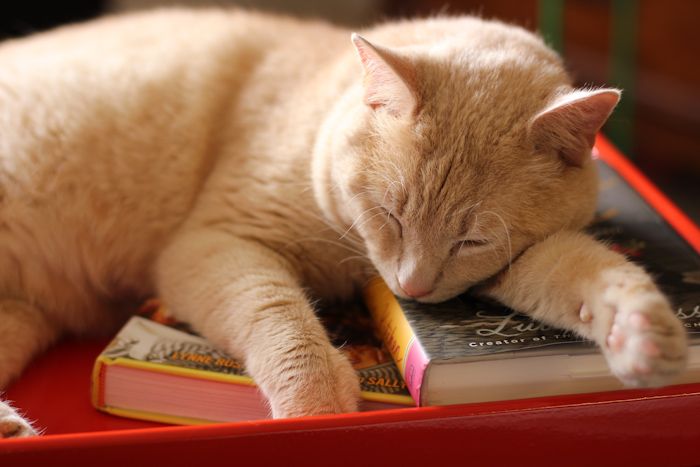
{"x": 651, "y": 427}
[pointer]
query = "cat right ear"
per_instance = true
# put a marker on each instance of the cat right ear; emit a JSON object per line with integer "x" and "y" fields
{"x": 569, "y": 124}
{"x": 389, "y": 79}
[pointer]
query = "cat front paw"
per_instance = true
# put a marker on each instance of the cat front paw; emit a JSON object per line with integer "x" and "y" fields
{"x": 12, "y": 425}
{"x": 329, "y": 386}
{"x": 646, "y": 344}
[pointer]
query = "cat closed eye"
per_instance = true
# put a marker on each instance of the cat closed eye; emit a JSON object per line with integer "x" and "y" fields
{"x": 393, "y": 220}
{"x": 469, "y": 243}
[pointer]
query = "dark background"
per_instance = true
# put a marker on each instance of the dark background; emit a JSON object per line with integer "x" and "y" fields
{"x": 649, "y": 48}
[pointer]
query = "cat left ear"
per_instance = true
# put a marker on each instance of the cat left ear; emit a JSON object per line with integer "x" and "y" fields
{"x": 389, "y": 80}
{"x": 570, "y": 123}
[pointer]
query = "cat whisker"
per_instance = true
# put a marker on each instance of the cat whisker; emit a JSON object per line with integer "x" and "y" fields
{"x": 350, "y": 238}
{"x": 325, "y": 240}
{"x": 392, "y": 182}
{"x": 364, "y": 192}
{"x": 471, "y": 207}
{"x": 369, "y": 219}
{"x": 388, "y": 219}
{"x": 361, "y": 258}
{"x": 359, "y": 218}
{"x": 345, "y": 235}
{"x": 382, "y": 226}
{"x": 398, "y": 173}
{"x": 507, "y": 235}
{"x": 386, "y": 192}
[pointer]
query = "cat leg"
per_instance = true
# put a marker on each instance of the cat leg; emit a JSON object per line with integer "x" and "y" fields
{"x": 24, "y": 332}
{"x": 247, "y": 300}
{"x": 571, "y": 281}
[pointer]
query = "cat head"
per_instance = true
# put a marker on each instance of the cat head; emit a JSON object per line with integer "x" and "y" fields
{"x": 464, "y": 157}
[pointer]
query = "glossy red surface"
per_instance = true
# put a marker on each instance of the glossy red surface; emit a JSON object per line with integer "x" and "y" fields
{"x": 657, "y": 427}
{"x": 55, "y": 392}
{"x": 652, "y": 427}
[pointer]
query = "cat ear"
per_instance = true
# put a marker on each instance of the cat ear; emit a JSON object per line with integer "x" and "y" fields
{"x": 388, "y": 79}
{"x": 570, "y": 123}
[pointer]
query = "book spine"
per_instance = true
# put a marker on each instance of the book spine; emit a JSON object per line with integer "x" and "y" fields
{"x": 398, "y": 336}
{"x": 97, "y": 387}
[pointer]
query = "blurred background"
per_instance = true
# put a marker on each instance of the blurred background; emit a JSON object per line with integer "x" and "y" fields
{"x": 649, "y": 48}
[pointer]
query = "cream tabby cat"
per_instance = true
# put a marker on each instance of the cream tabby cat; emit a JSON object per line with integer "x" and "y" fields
{"x": 242, "y": 166}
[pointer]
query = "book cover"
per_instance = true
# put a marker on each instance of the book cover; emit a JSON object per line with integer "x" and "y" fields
{"x": 466, "y": 328}
{"x": 152, "y": 343}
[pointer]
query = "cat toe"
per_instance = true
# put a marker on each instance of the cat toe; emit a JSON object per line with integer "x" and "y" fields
{"x": 330, "y": 386}
{"x": 646, "y": 347}
{"x": 13, "y": 426}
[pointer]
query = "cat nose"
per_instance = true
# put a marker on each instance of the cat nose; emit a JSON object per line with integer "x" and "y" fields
{"x": 415, "y": 290}
{"x": 416, "y": 275}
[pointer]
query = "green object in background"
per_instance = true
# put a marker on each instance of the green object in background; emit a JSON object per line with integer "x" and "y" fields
{"x": 622, "y": 72}
{"x": 623, "y": 59}
{"x": 551, "y": 21}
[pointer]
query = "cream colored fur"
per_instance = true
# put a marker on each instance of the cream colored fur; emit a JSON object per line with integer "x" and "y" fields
{"x": 243, "y": 166}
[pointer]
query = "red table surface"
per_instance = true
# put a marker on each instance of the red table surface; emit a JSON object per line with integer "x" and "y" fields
{"x": 652, "y": 427}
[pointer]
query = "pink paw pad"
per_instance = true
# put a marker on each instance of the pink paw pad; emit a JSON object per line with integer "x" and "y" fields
{"x": 616, "y": 339}
{"x": 639, "y": 321}
{"x": 651, "y": 349}
{"x": 642, "y": 368}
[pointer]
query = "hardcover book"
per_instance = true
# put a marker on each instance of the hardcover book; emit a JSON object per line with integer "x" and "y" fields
{"x": 158, "y": 369}
{"x": 471, "y": 350}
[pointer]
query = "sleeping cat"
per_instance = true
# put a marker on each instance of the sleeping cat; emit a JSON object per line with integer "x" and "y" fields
{"x": 244, "y": 166}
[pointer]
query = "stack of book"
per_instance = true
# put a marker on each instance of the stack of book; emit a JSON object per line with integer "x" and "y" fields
{"x": 464, "y": 350}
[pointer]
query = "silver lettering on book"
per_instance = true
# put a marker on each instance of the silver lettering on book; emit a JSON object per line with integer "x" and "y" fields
{"x": 505, "y": 326}
{"x": 694, "y": 313}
